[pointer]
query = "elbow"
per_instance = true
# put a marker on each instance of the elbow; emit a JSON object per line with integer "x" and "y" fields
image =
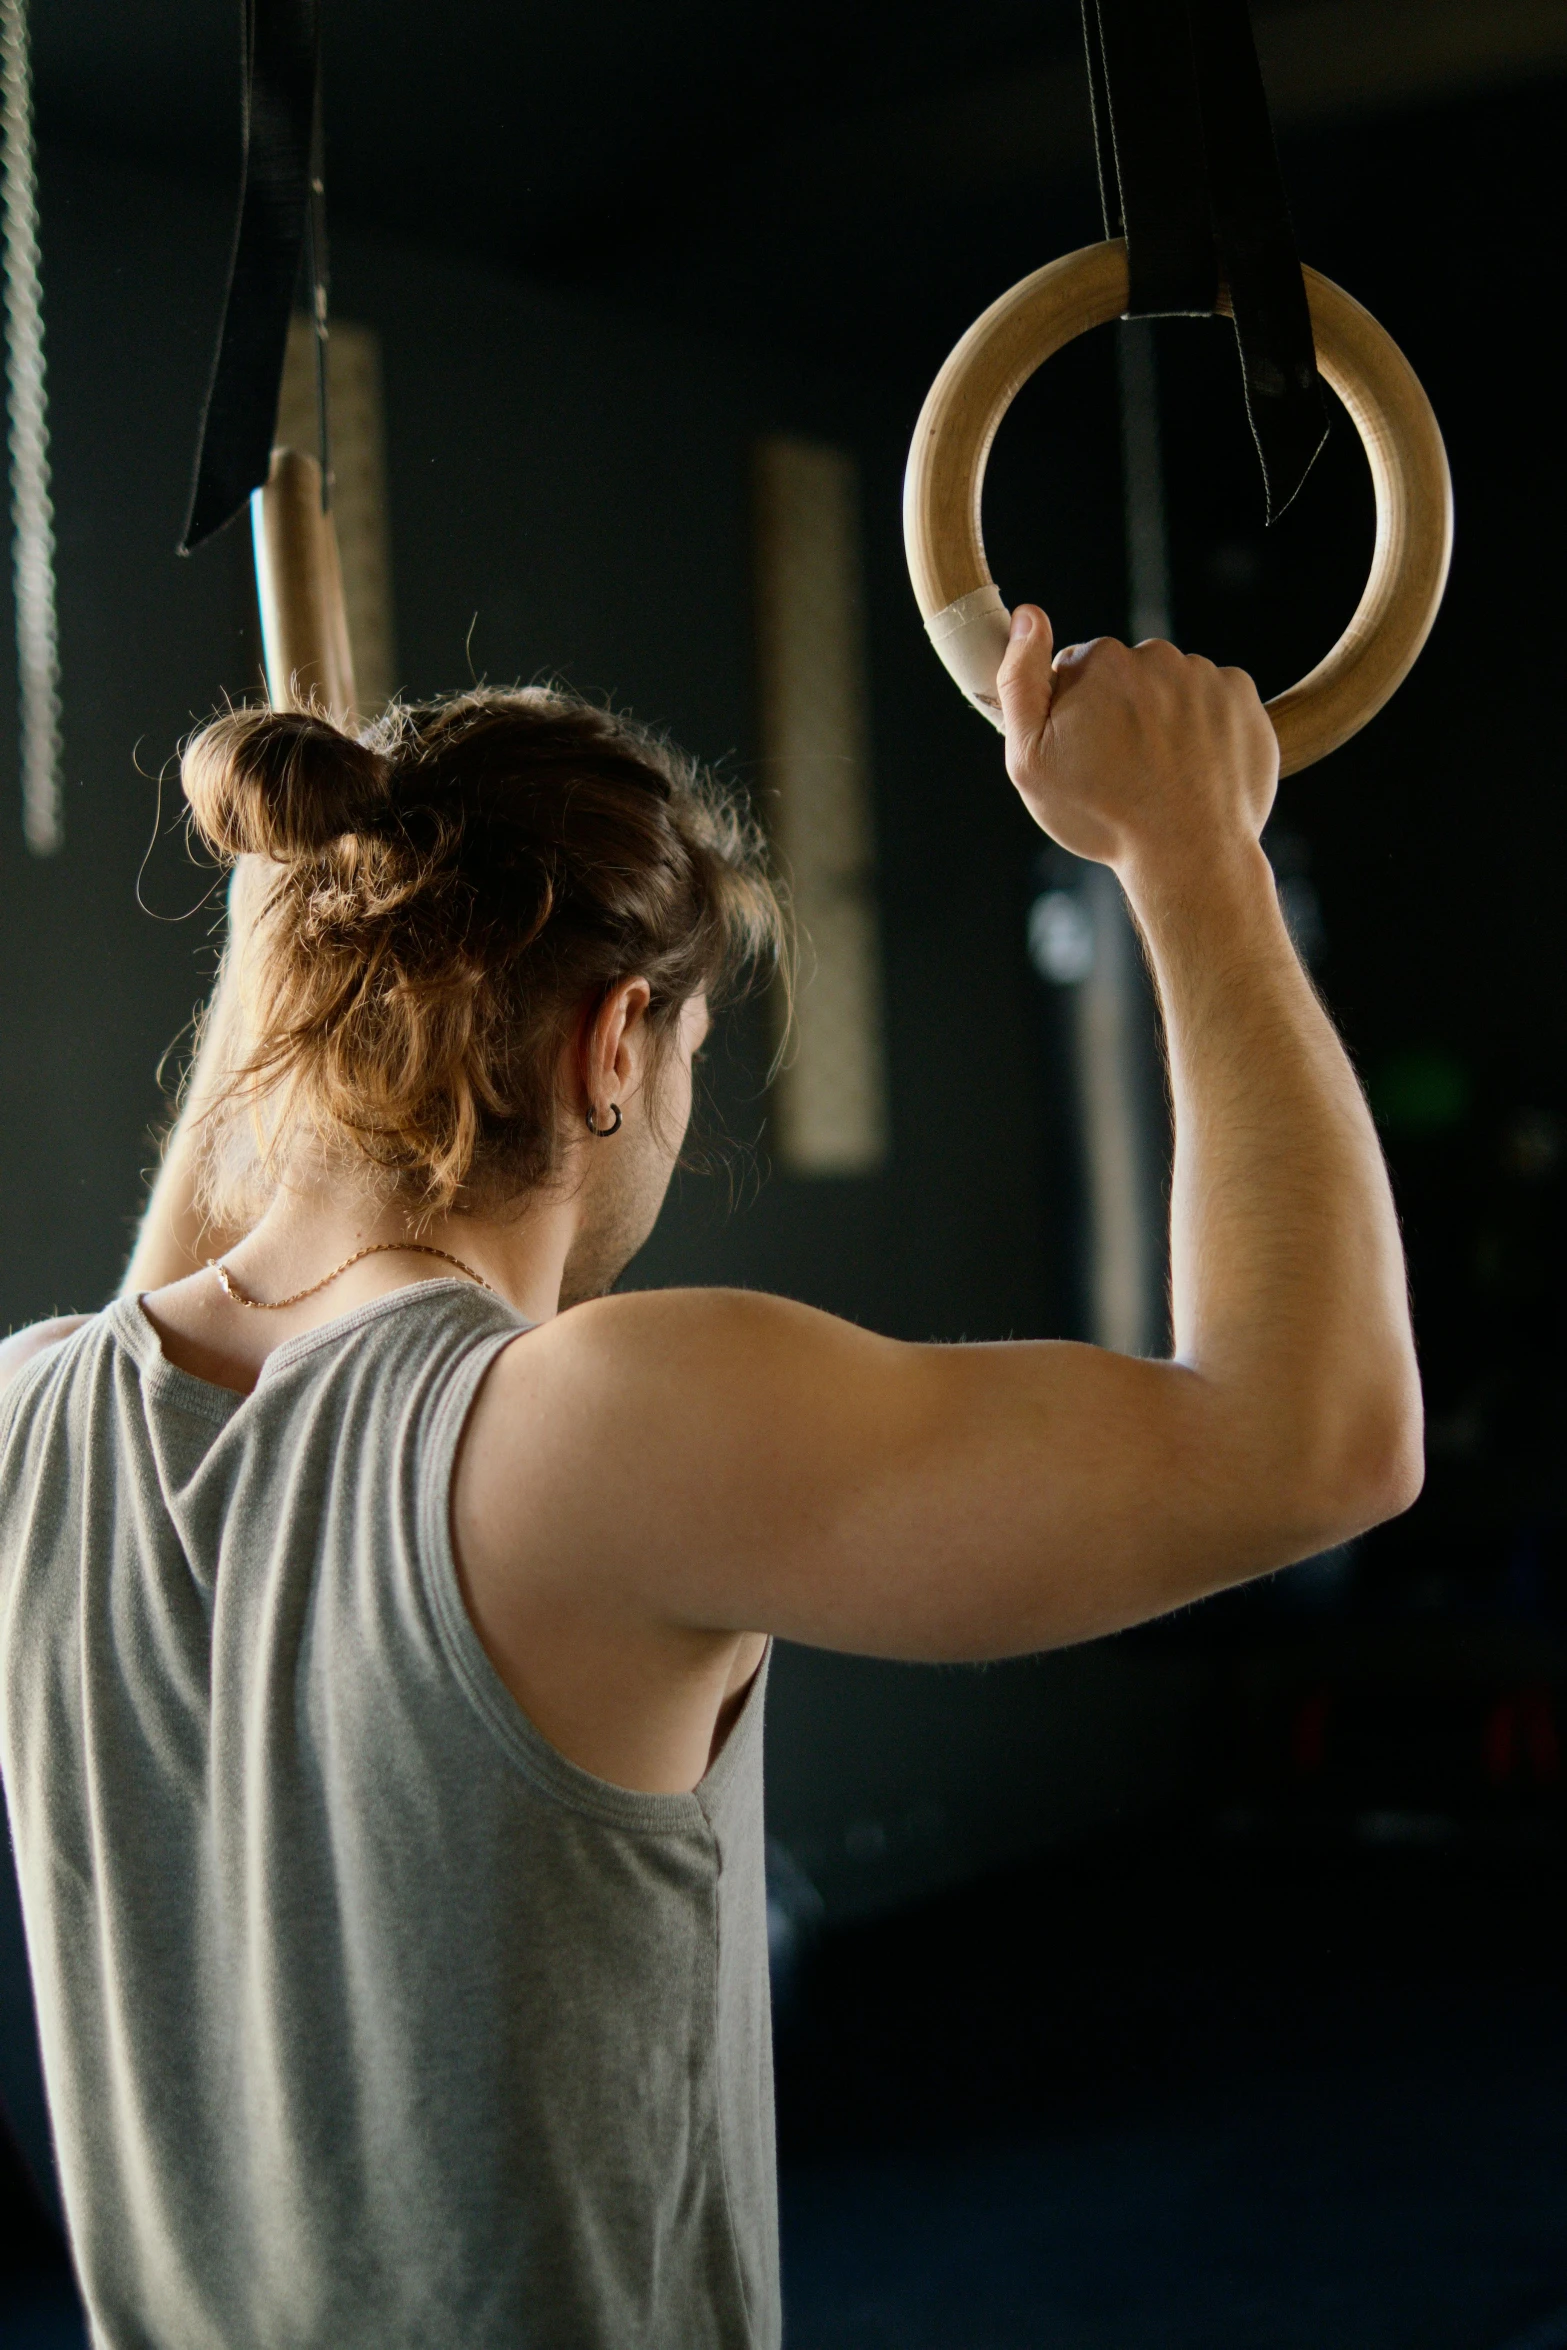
{"x": 1387, "y": 1481}
{"x": 1368, "y": 1466}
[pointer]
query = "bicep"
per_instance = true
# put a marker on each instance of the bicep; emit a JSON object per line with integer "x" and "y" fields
{"x": 738, "y": 1463}
{"x": 954, "y": 1502}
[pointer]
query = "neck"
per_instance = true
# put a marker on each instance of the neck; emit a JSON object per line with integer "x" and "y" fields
{"x": 308, "y": 1233}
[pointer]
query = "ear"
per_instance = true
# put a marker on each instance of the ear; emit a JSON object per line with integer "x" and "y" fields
{"x": 610, "y": 1049}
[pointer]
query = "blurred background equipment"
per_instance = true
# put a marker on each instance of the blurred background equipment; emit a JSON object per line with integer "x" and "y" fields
{"x": 1204, "y": 1986}
{"x": 1125, "y": 1132}
{"x": 32, "y": 512}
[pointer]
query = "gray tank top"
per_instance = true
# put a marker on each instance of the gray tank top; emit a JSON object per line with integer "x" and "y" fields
{"x": 367, "y": 2018}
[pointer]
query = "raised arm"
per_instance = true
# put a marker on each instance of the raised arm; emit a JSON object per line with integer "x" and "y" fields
{"x": 304, "y": 628}
{"x": 718, "y": 1461}
{"x": 1288, "y": 1286}
{"x": 175, "y": 1237}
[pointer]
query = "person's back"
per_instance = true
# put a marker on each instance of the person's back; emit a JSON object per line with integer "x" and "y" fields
{"x": 369, "y": 2018}
{"x": 470, "y": 963}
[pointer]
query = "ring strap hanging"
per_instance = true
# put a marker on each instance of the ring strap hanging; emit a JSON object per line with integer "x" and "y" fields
{"x": 280, "y": 209}
{"x": 1189, "y": 174}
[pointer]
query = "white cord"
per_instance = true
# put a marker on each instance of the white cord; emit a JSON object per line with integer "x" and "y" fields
{"x": 32, "y": 512}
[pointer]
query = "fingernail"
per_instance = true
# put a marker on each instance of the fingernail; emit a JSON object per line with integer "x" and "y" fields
{"x": 1022, "y": 625}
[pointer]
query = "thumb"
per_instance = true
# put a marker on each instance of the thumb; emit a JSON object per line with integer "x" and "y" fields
{"x": 1025, "y": 681}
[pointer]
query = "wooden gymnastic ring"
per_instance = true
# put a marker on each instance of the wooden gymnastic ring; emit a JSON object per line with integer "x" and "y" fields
{"x": 299, "y": 587}
{"x": 963, "y": 612}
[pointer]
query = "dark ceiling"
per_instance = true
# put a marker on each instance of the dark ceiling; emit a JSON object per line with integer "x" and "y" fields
{"x": 811, "y": 170}
{"x": 534, "y": 132}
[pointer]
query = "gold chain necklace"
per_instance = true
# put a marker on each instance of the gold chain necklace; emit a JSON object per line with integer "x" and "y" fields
{"x": 275, "y": 1305}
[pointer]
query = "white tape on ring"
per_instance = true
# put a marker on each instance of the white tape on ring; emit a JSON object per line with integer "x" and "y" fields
{"x": 971, "y": 636}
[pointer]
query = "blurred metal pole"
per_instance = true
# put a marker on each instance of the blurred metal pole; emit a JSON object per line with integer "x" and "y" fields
{"x": 1116, "y": 1038}
{"x": 1142, "y": 475}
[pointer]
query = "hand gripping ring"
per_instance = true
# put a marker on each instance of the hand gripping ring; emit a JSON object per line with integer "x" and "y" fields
{"x": 963, "y": 612}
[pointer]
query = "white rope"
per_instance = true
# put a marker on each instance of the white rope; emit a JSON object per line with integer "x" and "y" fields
{"x": 32, "y": 512}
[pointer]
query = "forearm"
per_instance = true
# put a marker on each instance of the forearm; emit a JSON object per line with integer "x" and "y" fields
{"x": 1288, "y": 1284}
{"x": 176, "y": 1237}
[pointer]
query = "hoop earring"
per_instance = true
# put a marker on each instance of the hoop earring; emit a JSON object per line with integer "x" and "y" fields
{"x": 603, "y": 1133}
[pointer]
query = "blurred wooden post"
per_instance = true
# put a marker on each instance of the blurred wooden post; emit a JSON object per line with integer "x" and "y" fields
{"x": 831, "y": 1100}
{"x": 299, "y": 584}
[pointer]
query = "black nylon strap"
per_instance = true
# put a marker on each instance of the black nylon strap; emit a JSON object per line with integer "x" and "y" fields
{"x": 281, "y": 145}
{"x": 1251, "y": 226}
{"x": 1188, "y": 172}
{"x": 1148, "y": 119}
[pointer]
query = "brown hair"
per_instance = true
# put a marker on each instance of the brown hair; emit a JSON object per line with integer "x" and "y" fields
{"x": 452, "y": 890}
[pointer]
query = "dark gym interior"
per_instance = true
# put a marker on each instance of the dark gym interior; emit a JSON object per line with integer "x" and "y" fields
{"x": 1206, "y": 1987}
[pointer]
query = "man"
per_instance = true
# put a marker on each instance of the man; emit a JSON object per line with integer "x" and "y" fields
{"x": 383, "y": 1653}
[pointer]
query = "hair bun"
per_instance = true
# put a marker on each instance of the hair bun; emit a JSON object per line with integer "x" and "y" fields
{"x": 279, "y": 783}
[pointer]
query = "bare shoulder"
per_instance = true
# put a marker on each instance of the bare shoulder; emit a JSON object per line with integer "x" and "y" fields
{"x": 674, "y": 1392}
{"x": 615, "y": 1449}
{"x": 17, "y": 1351}
{"x": 659, "y": 1351}
{"x": 638, "y": 1318}
{"x": 724, "y": 1461}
